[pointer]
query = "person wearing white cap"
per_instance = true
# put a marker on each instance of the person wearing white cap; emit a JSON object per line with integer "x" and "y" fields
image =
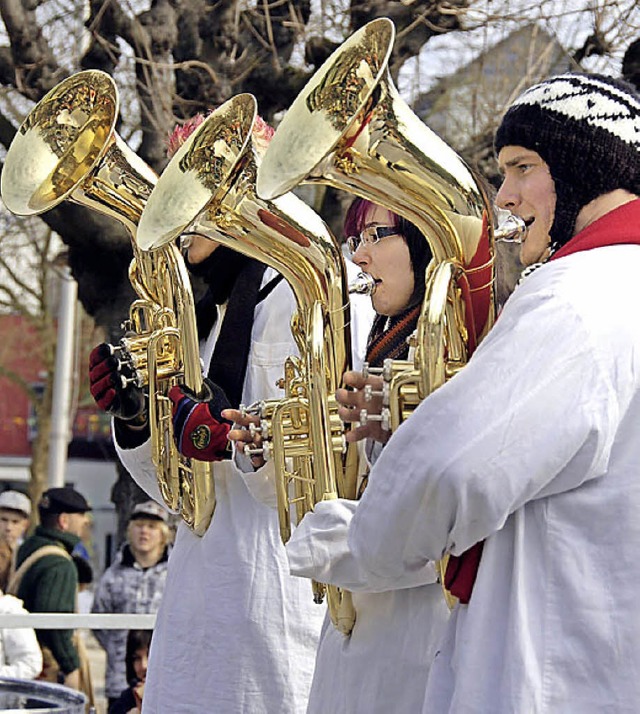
{"x": 133, "y": 584}
{"x": 15, "y": 510}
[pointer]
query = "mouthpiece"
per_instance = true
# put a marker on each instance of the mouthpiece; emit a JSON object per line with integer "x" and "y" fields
{"x": 362, "y": 284}
{"x": 511, "y": 230}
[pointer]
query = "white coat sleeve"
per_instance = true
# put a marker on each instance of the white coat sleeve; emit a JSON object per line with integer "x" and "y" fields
{"x": 138, "y": 463}
{"x": 531, "y": 415}
{"x": 22, "y": 653}
{"x": 261, "y": 483}
{"x": 318, "y": 549}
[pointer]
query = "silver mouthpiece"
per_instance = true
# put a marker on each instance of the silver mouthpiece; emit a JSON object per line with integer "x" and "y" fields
{"x": 362, "y": 284}
{"x": 511, "y": 230}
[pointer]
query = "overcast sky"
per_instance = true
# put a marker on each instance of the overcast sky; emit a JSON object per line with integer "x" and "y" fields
{"x": 571, "y": 21}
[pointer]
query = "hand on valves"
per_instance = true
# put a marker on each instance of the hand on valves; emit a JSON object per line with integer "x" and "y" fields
{"x": 115, "y": 385}
{"x": 362, "y": 401}
{"x": 246, "y": 434}
{"x": 200, "y": 428}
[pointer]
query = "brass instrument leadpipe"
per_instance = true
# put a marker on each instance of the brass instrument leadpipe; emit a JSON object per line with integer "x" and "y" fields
{"x": 67, "y": 149}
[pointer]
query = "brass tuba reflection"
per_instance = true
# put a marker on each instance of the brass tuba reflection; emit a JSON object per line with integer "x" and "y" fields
{"x": 350, "y": 129}
{"x": 208, "y": 188}
{"x": 67, "y": 149}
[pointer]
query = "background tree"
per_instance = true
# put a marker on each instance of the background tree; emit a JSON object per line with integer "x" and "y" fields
{"x": 174, "y": 58}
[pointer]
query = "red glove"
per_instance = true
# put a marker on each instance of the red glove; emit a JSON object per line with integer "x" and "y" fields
{"x": 114, "y": 383}
{"x": 199, "y": 429}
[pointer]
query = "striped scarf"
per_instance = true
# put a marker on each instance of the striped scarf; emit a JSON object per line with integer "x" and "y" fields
{"x": 389, "y": 339}
{"x": 389, "y": 336}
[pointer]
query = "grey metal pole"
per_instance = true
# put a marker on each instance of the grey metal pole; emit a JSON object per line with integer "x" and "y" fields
{"x": 62, "y": 384}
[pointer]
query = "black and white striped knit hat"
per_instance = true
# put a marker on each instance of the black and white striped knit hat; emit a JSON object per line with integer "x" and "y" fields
{"x": 587, "y": 129}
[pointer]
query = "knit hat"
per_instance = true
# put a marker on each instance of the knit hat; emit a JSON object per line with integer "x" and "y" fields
{"x": 587, "y": 129}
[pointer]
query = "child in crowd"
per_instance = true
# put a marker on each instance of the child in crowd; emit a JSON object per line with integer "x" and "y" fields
{"x": 136, "y": 657}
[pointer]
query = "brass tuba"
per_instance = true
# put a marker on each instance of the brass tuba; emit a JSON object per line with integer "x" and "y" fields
{"x": 67, "y": 148}
{"x": 208, "y": 188}
{"x": 350, "y": 129}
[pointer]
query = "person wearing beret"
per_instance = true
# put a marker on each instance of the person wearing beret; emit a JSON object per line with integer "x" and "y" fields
{"x": 47, "y": 580}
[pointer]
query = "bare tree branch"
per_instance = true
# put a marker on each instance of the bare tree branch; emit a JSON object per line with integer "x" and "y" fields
{"x": 36, "y": 70}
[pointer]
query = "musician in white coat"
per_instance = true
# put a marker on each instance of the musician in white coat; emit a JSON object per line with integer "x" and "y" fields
{"x": 382, "y": 666}
{"x": 235, "y": 632}
{"x": 533, "y": 447}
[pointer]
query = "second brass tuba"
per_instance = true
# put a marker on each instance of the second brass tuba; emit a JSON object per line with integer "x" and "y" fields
{"x": 349, "y": 128}
{"x": 208, "y": 188}
{"x": 67, "y": 149}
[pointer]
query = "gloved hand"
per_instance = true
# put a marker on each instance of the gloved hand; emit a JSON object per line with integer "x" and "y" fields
{"x": 113, "y": 383}
{"x": 199, "y": 429}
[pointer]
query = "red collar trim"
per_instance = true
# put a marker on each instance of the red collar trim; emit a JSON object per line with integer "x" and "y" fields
{"x": 618, "y": 227}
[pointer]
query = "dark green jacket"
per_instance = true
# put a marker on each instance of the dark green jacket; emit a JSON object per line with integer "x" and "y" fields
{"x": 50, "y": 585}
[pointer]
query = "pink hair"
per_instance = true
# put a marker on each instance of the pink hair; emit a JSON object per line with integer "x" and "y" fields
{"x": 261, "y": 132}
{"x": 357, "y": 214}
{"x": 181, "y": 133}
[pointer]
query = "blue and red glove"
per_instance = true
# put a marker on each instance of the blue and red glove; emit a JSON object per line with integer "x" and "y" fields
{"x": 114, "y": 384}
{"x": 199, "y": 429}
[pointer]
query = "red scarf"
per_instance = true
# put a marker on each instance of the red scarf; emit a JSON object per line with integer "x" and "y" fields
{"x": 617, "y": 227}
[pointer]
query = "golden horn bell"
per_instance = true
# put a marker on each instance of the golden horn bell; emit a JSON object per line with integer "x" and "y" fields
{"x": 67, "y": 149}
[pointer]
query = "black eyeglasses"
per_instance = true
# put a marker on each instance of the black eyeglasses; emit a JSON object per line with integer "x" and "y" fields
{"x": 370, "y": 236}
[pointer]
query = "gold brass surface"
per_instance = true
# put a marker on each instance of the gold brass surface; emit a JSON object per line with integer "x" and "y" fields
{"x": 67, "y": 149}
{"x": 208, "y": 188}
{"x": 350, "y": 129}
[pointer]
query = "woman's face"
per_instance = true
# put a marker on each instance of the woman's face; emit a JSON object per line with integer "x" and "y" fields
{"x": 528, "y": 191}
{"x": 388, "y": 262}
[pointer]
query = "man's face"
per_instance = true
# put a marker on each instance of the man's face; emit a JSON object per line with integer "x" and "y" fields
{"x": 75, "y": 523}
{"x": 528, "y": 191}
{"x": 146, "y": 537}
{"x": 13, "y": 525}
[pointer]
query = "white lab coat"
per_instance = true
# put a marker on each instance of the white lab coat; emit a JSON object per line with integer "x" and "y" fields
{"x": 533, "y": 447}
{"x": 383, "y": 665}
{"x": 235, "y": 633}
{"x": 20, "y": 654}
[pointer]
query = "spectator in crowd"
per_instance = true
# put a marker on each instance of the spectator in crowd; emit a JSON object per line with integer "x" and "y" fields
{"x": 46, "y": 580}
{"x": 85, "y": 578}
{"x": 136, "y": 659}
{"x": 20, "y": 655}
{"x": 15, "y": 511}
{"x": 133, "y": 584}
